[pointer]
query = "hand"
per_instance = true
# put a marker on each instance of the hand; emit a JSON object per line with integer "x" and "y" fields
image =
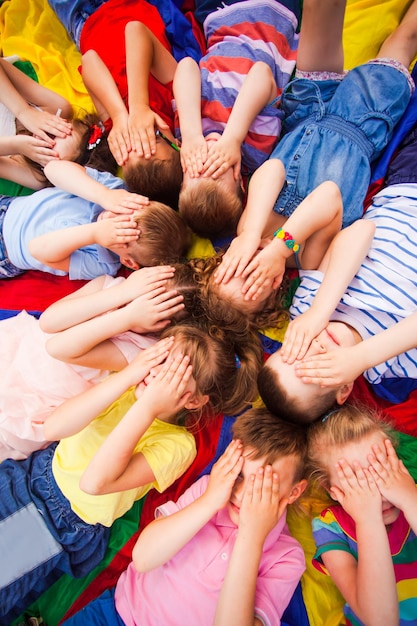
{"x": 223, "y": 476}
{"x": 151, "y": 312}
{"x": 358, "y": 493}
{"x": 166, "y": 393}
{"x": 122, "y": 201}
{"x": 146, "y": 279}
{"x": 237, "y": 256}
{"x": 223, "y": 155}
{"x": 119, "y": 138}
{"x": 147, "y": 359}
{"x": 300, "y": 333}
{"x": 142, "y": 123}
{"x": 331, "y": 369}
{"x": 116, "y": 231}
{"x": 193, "y": 155}
{"x": 266, "y": 270}
{"x": 261, "y": 505}
{"x": 391, "y": 476}
{"x": 42, "y": 124}
{"x": 35, "y": 148}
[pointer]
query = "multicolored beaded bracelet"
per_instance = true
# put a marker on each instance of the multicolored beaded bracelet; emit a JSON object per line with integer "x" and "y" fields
{"x": 288, "y": 239}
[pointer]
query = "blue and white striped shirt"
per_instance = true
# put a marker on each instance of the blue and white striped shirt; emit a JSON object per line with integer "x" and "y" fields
{"x": 384, "y": 289}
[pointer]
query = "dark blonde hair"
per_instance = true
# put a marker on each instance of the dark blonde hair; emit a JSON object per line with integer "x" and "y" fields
{"x": 272, "y": 438}
{"x": 164, "y": 236}
{"x": 273, "y": 314}
{"x": 225, "y": 362}
{"x": 350, "y": 423}
{"x": 210, "y": 209}
{"x": 157, "y": 179}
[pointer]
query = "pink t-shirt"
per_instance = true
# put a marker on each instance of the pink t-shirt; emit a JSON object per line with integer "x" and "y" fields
{"x": 185, "y": 590}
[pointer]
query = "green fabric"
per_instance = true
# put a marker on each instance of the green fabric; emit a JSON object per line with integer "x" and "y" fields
{"x": 407, "y": 451}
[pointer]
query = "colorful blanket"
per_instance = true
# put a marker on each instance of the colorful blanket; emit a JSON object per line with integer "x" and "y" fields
{"x": 29, "y": 29}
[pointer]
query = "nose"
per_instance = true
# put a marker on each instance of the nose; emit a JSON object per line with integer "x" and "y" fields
{"x": 320, "y": 347}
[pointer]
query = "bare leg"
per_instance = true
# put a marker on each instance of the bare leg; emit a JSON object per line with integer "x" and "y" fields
{"x": 402, "y": 43}
{"x": 320, "y": 47}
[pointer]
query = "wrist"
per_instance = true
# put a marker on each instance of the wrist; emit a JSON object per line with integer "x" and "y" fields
{"x": 287, "y": 241}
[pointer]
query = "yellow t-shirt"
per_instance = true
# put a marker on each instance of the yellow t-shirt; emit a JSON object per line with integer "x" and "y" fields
{"x": 169, "y": 449}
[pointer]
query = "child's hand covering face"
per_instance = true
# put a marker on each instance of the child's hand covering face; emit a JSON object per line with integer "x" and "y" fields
{"x": 168, "y": 389}
{"x": 223, "y": 476}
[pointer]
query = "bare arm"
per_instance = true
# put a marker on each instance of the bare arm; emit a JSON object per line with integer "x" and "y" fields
{"x": 264, "y": 188}
{"x": 18, "y": 172}
{"x": 258, "y": 89}
{"x": 18, "y": 90}
{"x": 73, "y": 178}
{"x": 165, "y": 536}
{"x": 368, "y": 584}
{"x": 260, "y": 511}
{"x": 145, "y": 55}
{"x": 77, "y": 412}
{"x": 55, "y": 248}
{"x": 317, "y": 218}
{"x": 115, "y": 467}
{"x": 108, "y": 101}
{"x": 340, "y": 264}
{"x": 187, "y": 93}
{"x": 346, "y": 364}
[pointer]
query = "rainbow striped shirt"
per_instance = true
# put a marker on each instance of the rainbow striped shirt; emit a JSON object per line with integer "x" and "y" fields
{"x": 238, "y": 36}
{"x": 335, "y": 530}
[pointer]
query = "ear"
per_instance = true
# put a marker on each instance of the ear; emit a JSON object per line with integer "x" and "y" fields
{"x": 343, "y": 393}
{"x": 129, "y": 262}
{"x": 196, "y": 402}
{"x": 297, "y": 490}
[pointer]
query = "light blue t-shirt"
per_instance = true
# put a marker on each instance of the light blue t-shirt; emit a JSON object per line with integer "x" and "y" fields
{"x": 51, "y": 209}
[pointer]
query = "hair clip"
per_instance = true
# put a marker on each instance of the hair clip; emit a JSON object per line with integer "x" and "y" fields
{"x": 96, "y": 135}
{"x": 326, "y": 417}
{"x": 237, "y": 362}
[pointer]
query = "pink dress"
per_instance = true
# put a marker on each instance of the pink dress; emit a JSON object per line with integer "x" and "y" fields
{"x": 33, "y": 384}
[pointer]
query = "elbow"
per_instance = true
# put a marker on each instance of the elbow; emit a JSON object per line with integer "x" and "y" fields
{"x": 139, "y": 559}
{"x": 34, "y": 248}
{"x": 51, "y": 348}
{"x": 91, "y": 485}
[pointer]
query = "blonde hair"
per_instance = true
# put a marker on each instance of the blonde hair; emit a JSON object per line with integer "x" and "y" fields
{"x": 210, "y": 209}
{"x": 350, "y": 423}
{"x": 164, "y": 236}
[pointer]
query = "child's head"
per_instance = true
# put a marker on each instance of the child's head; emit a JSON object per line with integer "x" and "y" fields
{"x": 346, "y": 433}
{"x": 285, "y": 393}
{"x": 211, "y": 208}
{"x": 86, "y": 145}
{"x": 268, "y": 440}
{"x": 267, "y": 311}
{"x": 158, "y": 177}
{"x": 225, "y": 362}
{"x": 164, "y": 238}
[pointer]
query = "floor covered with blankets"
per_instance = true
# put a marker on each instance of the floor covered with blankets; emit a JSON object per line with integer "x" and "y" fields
{"x": 31, "y": 31}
